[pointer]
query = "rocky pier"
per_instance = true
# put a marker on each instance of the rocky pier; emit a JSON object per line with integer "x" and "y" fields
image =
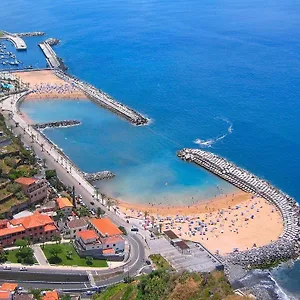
{"x": 30, "y": 34}
{"x": 90, "y": 177}
{"x": 104, "y": 99}
{"x": 287, "y": 246}
{"x": 57, "y": 124}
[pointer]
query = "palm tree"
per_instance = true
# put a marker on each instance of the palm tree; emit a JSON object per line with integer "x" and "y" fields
{"x": 102, "y": 198}
{"x": 97, "y": 193}
{"x": 109, "y": 203}
{"x": 100, "y": 212}
{"x": 44, "y": 162}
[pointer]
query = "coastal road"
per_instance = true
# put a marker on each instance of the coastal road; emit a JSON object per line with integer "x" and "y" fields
{"x": 137, "y": 244}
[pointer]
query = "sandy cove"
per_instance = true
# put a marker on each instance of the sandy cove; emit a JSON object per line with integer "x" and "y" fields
{"x": 46, "y": 85}
{"x": 222, "y": 224}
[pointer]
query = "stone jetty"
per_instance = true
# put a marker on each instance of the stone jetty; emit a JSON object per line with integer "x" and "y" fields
{"x": 104, "y": 99}
{"x": 90, "y": 177}
{"x": 53, "y": 61}
{"x": 57, "y": 124}
{"x": 287, "y": 246}
{"x": 30, "y": 34}
{"x": 52, "y": 41}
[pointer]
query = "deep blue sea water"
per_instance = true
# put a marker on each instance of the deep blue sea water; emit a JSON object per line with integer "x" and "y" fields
{"x": 223, "y": 73}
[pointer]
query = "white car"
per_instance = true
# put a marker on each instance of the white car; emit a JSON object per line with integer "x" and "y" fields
{"x": 7, "y": 268}
{"x": 23, "y": 269}
{"x": 89, "y": 293}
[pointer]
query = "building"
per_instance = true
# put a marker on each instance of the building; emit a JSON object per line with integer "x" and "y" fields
{"x": 103, "y": 240}
{"x": 7, "y": 290}
{"x": 105, "y": 227}
{"x": 65, "y": 205}
{"x": 74, "y": 226}
{"x": 36, "y": 227}
{"x": 35, "y": 189}
{"x": 50, "y": 295}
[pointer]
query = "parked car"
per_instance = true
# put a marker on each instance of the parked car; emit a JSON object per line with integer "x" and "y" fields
{"x": 135, "y": 229}
{"x": 23, "y": 269}
{"x": 7, "y": 268}
{"x": 89, "y": 293}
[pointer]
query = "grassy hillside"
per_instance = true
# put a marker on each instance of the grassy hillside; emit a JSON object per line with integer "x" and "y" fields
{"x": 162, "y": 285}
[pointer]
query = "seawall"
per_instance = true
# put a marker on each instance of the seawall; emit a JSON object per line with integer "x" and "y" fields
{"x": 287, "y": 246}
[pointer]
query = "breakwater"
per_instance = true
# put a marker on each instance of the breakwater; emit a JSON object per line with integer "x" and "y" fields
{"x": 287, "y": 246}
{"x": 30, "y": 34}
{"x": 90, "y": 177}
{"x": 16, "y": 40}
{"x": 57, "y": 124}
{"x": 104, "y": 99}
{"x": 53, "y": 61}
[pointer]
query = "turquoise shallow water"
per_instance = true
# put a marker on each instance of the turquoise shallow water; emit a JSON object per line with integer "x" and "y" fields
{"x": 199, "y": 69}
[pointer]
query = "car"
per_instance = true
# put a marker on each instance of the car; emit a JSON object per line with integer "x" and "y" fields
{"x": 92, "y": 202}
{"x": 89, "y": 293}
{"x": 148, "y": 262}
{"x": 23, "y": 269}
{"x": 7, "y": 268}
{"x": 135, "y": 229}
{"x": 79, "y": 196}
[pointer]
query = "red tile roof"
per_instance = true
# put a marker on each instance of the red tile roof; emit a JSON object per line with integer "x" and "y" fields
{"x": 4, "y": 295}
{"x": 50, "y": 295}
{"x": 32, "y": 221}
{"x": 87, "y": 234}
{"x": 108, "y": 251}
{"x": 11, "y": 230}
{"x": 49, "y": 227}
{"x": 105, "y": 226}
{"x": 112, "y": 240}
{"x": 63, "y": 202}
{"x": 7, "y": 286}
{"x": 26, "y": 181}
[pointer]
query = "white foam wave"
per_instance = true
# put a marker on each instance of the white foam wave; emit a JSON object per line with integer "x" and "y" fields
{"x": 209, "y": 142}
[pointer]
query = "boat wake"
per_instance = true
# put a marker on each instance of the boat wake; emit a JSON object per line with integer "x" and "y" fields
{"x": 209, "y": 142}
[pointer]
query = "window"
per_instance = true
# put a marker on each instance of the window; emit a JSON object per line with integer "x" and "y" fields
{"x": 107, "y": 246}
{"x": 114, "y": 245}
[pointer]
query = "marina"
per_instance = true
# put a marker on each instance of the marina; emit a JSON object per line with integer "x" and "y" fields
{"x": 287, "y": 246}
{"x": 15, "y": 39}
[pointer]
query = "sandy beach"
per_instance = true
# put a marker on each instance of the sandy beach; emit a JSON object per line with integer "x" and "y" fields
{"x": 227, "y": 222}
{"x": 46, "y": 85}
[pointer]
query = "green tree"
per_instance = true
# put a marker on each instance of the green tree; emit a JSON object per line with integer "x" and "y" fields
{"x": 21, "y": 244}
{"x": 89, "y": 260}
{"x": 57, "y": 239}
{"x": 60, "y": 215}
{"x": 109, "y": 203}
{"x": 100, "y": 212}
{"x": 55, "y": 250}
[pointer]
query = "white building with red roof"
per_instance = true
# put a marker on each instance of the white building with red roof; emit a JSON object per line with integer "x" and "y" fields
{"x": 35, "y": 189}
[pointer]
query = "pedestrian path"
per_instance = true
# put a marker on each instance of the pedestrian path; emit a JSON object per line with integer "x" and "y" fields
{"x": 39, "y": 255}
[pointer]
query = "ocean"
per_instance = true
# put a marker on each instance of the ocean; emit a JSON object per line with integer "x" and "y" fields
{"x": 220, "y": 75}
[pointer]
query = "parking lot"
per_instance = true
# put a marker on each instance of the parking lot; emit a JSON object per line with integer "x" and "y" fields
{"x": 197, "y": 260}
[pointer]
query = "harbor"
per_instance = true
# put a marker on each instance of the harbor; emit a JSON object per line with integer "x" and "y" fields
{"x": 287, "y": 246}
{"x": 15, "y": 39}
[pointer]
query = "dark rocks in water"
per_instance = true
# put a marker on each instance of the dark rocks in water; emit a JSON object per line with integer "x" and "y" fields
{"x": 64, "y": 123}
{"x": 52, "y": 41}
{"x": 99, "y": 176}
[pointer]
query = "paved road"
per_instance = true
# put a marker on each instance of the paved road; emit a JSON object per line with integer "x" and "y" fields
{"x": 137, "y": 256}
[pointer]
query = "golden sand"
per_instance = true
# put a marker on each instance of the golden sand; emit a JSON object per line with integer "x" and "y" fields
{"x": 234, "y": 221}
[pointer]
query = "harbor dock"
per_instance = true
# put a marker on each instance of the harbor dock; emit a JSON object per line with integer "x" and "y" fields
{"x": 52, "y": 59}
{"x": 16, "y": 40}
{"x": 287, "y": 246}
{"x": 104, "y": 99}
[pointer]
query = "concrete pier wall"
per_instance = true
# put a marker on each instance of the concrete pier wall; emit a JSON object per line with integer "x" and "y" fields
{"x": 53, "y": 61}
